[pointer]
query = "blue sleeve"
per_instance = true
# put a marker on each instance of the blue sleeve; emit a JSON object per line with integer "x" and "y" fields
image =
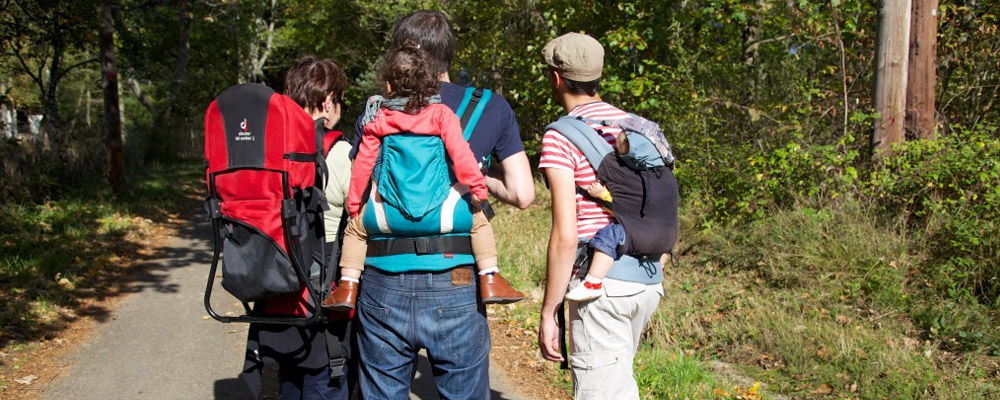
{"x": 357, "y": 137}
{"x": 508, "y": 133}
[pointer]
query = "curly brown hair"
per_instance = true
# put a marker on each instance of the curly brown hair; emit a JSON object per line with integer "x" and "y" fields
{"x": 408, "y": 71}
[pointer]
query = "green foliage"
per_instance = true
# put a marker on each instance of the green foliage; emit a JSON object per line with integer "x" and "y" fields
{"x": 54, "y": 253}
{"x": 756, "y": 185}
{"x": 822, "y": 301}
{"x": 949, "y": 191}
{"x": 768, "y": 106}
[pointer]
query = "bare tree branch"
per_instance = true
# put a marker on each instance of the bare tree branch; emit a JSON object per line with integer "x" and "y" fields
{"x": 143, "y": 99}
{"x": 27, "y": 70}
{"x": 79, "y": 64}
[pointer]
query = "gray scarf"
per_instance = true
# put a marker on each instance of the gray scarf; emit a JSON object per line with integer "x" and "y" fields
{"x": 377, "y": 102}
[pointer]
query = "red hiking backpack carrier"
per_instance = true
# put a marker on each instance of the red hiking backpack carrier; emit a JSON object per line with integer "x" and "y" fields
{"x": 264, "y": 161}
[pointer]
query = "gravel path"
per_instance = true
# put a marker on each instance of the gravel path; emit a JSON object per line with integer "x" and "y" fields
{"x": 159, "y": 345}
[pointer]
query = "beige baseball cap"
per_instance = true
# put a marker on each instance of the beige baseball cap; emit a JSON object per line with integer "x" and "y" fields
{"x": 576, "y": 56}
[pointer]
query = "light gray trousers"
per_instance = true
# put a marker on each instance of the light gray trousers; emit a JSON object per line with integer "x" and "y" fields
{"x": 604, "y": 336}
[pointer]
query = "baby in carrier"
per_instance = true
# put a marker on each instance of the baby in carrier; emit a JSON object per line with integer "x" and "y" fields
{"x": 651, "y": 207}
{"x": 412, "y": 100}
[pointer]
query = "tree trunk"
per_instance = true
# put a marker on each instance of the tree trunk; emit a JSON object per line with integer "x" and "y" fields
{"x": 8, "y": 120}
{"x": 751, "y": 46}
{"x": 112, "y": 117}
{"x": 890, "y": 76}
{"x": 50, "y": 98}
{"x": 165, "y": 146}
{"x": 922, "y": 74}
{"x": 88, "y": 107}
{"x": 183, "y": 58}
{"x": 258, "y": 55}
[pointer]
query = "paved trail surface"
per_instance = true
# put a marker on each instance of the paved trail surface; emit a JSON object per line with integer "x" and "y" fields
{"x": 157, "y": 344}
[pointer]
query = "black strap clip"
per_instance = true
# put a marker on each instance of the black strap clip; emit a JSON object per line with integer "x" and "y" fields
{"x": 288, "y": 209}
{"x": 338, "y": 367}
{"x": 213, "y": 208}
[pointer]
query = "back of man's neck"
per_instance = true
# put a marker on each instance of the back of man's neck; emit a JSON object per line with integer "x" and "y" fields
{"x": 574, "y": 101}
{"x": 444, "y": 77}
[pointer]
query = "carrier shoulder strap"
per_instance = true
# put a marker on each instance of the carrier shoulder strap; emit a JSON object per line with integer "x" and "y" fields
{"x": 330, "y": 138}
{"x": 589, "y": 141}
{"x": 593, "y": 146}
{"x": 475, "y": 100}
{"x": 471, "y": 109}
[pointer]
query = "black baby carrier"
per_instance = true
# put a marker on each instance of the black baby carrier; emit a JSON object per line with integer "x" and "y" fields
{"x": 643, "y": 188}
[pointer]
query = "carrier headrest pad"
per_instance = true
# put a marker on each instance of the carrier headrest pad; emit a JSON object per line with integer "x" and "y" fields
{"x": 244, "y": 115}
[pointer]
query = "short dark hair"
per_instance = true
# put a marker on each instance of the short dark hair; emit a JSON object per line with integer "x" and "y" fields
{"x": 432, "y": 31}
{"x": 588, "y": 88}
{"x": 311, "y": 80}
{"x": 408, "y": 71}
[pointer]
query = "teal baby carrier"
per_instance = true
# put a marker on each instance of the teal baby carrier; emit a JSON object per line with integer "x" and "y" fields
{"x": 417, "y": 215}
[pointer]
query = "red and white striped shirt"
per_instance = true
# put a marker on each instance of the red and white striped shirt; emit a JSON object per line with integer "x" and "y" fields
{"x": 559, "y": 153}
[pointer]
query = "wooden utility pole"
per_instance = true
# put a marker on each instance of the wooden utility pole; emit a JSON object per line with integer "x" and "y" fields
{"x": 115, "y": 166}
{"x": 890, "y": 75}
{"x": 922, "y": 73}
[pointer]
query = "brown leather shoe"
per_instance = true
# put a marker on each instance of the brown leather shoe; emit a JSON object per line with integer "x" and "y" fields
{"x": 342, "y": 298}
{"x": 494, "y": 289}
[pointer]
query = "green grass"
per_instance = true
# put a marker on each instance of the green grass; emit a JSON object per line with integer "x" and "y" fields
{"x": 822, "y": 304}
{"x": 814, "y": 302}
{"x": 53, "y": 250}
{"x": 664, "y": 374}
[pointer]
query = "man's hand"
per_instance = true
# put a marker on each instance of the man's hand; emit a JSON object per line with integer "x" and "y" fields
{"x": 548, "y": 338}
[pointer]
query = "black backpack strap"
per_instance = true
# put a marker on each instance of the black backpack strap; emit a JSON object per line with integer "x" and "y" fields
{"x": 335, "y": 351}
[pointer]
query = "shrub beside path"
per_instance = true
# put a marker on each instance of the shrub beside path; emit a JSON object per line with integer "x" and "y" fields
{"x": 159, "y": 344}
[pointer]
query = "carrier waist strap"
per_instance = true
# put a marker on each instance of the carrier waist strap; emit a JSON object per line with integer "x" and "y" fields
{"x": 420, "y": 245}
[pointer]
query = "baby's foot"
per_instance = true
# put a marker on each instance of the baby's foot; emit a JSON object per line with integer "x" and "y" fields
{"x": 343, "y": 297}
{"x": 590, "y": 289}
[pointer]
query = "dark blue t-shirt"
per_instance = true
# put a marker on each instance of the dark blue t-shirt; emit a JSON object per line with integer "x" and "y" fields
{"x": 496, "y": 133}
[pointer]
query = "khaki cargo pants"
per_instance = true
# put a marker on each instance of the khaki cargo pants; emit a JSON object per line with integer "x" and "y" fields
{"x": 604, "y": 336}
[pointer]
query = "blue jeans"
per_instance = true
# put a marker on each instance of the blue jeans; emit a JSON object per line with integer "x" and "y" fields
{"x": 399, "y": 314}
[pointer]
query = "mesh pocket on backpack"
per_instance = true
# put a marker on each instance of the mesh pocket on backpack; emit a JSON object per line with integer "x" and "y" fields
{"x": 253, "y": 268}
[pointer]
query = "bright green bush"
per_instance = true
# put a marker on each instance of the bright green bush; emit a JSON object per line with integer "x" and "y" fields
{"x": 949, "y": 191}
{"x": 748, "y": 187}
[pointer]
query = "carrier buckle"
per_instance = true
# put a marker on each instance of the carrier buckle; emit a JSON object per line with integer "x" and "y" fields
{"x": 421, "y": 246}
{"x": 338, "y": 367}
